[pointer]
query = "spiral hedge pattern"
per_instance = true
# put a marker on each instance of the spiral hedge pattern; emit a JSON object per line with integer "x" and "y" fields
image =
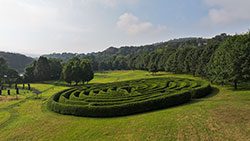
{"x": 128, "y": 97}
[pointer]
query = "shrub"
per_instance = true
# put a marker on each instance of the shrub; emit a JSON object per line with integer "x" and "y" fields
{"x": 129, "y": 97}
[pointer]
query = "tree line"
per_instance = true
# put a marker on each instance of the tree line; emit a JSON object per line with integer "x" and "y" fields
{"x": 222, "y": 59}
{"x": 75, "y": 70}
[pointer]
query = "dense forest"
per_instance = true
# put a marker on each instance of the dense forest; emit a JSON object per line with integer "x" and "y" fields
{"x": 16, "y": 61}
{"x": 221, "y": 59}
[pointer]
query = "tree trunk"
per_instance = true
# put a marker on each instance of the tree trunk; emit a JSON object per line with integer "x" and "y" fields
{"x": 222, "y": 83}
{"x": 235, "y": 84}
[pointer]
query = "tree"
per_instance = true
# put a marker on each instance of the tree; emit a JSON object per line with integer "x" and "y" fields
{"x": 119, "y": 63}
{"x": 3, "y": 67}
{"x": 42, "y": 69}
{"x": 205, "y": 57}
{"x": 171, "y": 64}
{"x": 77, "y": 70}
{"x": 29, "y": 73}
{"x": 152, "y": 68}
{"x": 67, "y": 72}
{"x": 88, "y": 73}
{"x": 8, "y": 75}
{"x": 230, "y": 62}
{"x": 55, "y": 69}
{"x": 192, "y": 60}
{"x": 180, "y": 60}
{"x": 3, "y": 63}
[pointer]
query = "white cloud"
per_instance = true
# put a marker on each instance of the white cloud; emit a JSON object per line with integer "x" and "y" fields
{"x": 132, "y": 25}
{"x": 43, "y": 25}
{"x": 34, "y": 16}
{"x": 110, "y": 3}
{"x": 225, "y": 12}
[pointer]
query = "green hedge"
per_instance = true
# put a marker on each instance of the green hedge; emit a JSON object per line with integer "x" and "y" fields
{"x": 119, "y": 110}
{"x": 139, "y": 96}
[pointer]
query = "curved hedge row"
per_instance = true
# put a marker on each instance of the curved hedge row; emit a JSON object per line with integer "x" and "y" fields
{"x": 129, "y": 97}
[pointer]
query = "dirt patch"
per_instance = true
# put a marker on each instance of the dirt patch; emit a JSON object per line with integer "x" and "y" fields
{"x": 8, "y": 98}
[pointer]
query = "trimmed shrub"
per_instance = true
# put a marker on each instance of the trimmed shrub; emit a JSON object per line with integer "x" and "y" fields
{"x": 129, "y": 97}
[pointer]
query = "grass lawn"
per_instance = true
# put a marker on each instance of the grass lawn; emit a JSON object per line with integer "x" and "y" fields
{"x": 225, "y": 115}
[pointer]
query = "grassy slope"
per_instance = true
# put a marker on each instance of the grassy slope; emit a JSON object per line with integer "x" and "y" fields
{"x": 224, "y": 116}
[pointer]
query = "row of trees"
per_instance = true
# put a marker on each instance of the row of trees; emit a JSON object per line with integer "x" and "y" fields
{"x": 43, "y": 70}
{"x": 222, "y": 59}
{"x": 75, "y": 70}
{"x": 231, "y": 61}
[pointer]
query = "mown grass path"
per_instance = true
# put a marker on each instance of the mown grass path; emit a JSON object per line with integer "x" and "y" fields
{"x": 222, "y": 116}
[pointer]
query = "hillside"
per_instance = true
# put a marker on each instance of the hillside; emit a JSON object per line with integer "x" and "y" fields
{"x": 141, "y": 57}
{"x": 132, "y": 50}
{"x": 16, "y": 61}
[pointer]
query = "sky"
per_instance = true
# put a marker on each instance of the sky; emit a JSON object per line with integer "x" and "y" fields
{"x": 84, "y": 26}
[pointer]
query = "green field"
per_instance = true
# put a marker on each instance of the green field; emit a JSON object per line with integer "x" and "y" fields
{"x": 224, "y": 115}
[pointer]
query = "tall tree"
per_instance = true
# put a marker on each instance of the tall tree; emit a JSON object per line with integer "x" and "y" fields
{"x": 3, "y": 67}
{"x": 29, "y": 73}
{"x": 77, "y": 71}
{"x": 67, "y": 72}
{"x": 88, "y": 73}
{"x": 42, "y": 69}
{"x": 205, "y": 57}
{"x": 230, "y": 62}
{"x": 55, "y": 69}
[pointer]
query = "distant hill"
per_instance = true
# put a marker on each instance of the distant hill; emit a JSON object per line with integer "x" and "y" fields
{"x": 61, "y": 56}
{"x": 16, "y": 61}
{"x": 131, "y": 50}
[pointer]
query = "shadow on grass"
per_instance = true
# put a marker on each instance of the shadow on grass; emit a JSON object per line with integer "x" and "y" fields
{"x": 214, "y": 92}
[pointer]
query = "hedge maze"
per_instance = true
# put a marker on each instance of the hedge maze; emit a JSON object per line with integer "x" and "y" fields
{"x": 128, "y": 97}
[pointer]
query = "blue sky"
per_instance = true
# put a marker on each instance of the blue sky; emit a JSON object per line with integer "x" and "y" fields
{"x": 47, "y": 26}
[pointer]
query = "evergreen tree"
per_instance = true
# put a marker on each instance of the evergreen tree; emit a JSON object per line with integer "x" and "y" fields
{"x": 230, "y": 62}
{"x": 205, "y": 57}
{"x": 171, "y": 65}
